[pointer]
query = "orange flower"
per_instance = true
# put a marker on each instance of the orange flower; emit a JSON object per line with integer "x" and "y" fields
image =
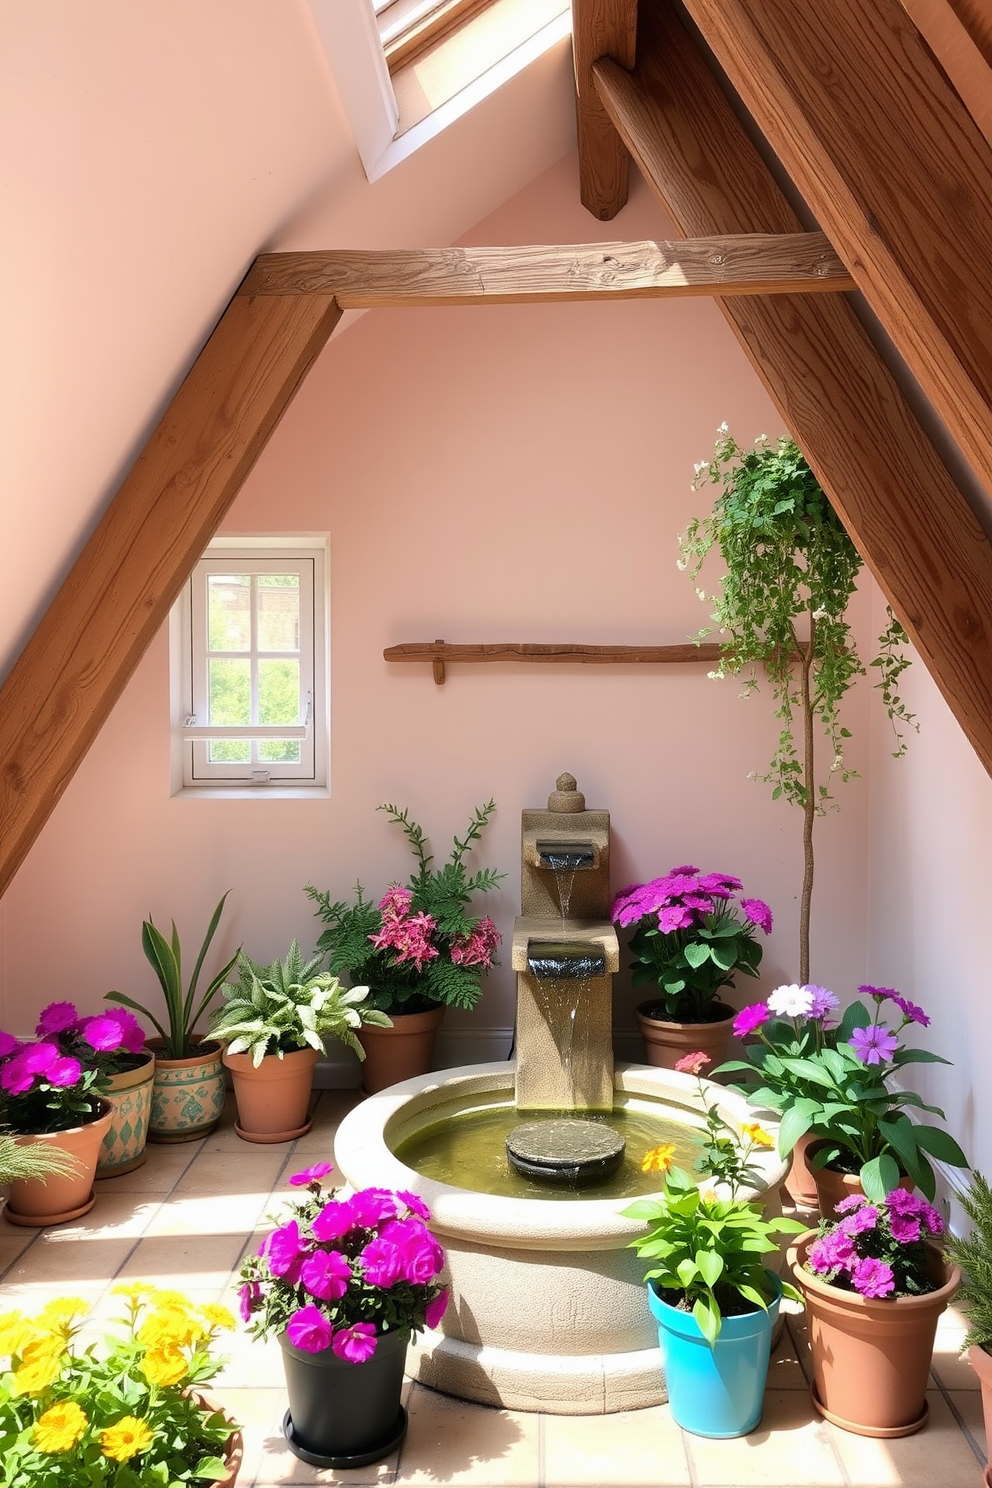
{"x": 757, "y": 1134}
{"x": 659, "y": 1159}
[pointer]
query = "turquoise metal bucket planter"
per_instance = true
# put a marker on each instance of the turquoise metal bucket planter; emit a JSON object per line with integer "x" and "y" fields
{"x": 715, "y": 1390}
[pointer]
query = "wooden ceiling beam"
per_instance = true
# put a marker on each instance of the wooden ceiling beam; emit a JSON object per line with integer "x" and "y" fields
{"x": 895, "y": 171}
{"x": 911, "y": 523}
{"x": 750, "y": 263}
{"x": 600, "y": 28}
{"x": 959, "y": 53}
{"x": 119, "y": 591}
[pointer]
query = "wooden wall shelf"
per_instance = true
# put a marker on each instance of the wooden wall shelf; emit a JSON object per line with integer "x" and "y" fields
{"x": 439, "y": 653}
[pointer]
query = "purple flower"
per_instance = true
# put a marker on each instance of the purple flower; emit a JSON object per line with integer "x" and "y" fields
{"x": 758, "y": 912}
{"x": 879, "y": 993}
{"x": 326, "y": 1274}
{"x": 412, "y": 1201}
{"x": 311, "y": 1175}
{"x": 750, "y": 1018}
{"x": 64, "y": 1071}
{"x": 852, "y": 1202}
{"x": 132, "y": 1033}
{"x": 283, "y": 1250}
{"x": 15, "y": 1077}
{"x": 865, "y": 1218}
{"x": 436, "y": 1308}
{"x": 823, "y": 1001}
{"x": 248, "y": 1295}
{"x": 873, "y": 1278}
{"x": 831, "y": 1252}
{"x": 686, "y": 871}
{"x": 910, "y": 1011}
{"x": 421, "y": 1258}
{"x": 382, "y": 1262}
{"x": 901, "y": 1201}
{"x": 309, "y": 1330}
{"x": 904, "y": 1228}
{"x": 8, "y": 1044}
{"x": 39, "y": 1057}
{"x": 874, "y": 1044}
{"x": 675, "y": 917}
{"x": 356, "y": 1344}
{"x": 57, "y": 1017}
{"x": 370, "y": 1206}
{"x": 932, "y": 1220}
{"x": 102, "y": 1033}
{"x": 725, "y": 884}
{"x": 333, "y": 1221}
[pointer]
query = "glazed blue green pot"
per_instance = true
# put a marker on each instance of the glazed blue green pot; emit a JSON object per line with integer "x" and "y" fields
{"x": 716, "y": 1390}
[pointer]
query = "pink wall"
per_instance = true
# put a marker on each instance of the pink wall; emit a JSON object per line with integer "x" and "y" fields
{"x": 485, "y": 474}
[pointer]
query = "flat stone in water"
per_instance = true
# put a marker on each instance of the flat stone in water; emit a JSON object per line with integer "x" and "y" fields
{"x": 565, "y": 960}
{"x": 566, "y": 1151}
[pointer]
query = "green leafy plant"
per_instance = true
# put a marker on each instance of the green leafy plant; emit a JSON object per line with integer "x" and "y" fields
{"x": 38, "y": 1161}
{"x": 790, "y": 571}
{"x": 419, "y": 946}
{"x": 289, "y": 1005}
{"x": 183, "y": 1012}
{"x": 973, "y": 1253}
{"x": 122, "y": 1416}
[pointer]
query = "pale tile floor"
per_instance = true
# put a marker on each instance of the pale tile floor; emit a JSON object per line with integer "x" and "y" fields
{"x": 186, "y": 1218}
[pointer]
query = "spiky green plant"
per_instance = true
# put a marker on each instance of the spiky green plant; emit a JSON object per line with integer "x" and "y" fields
{"x": 37, "y": 1161}
{"x": 974, "y": 1255}
{"x": 290, "y": 1005}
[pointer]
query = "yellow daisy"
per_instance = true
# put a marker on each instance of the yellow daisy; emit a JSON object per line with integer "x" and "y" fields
{"x": 217, "y": 1315}
{"x": 33, "y": 1378}
{"x": 164, "y": 1366}
{"x": 15, "y": 1330}
{"x": 126, "y": 1439}
{"x": 169, "y": 1327}
{"x": 60, "y": 1428}
{"x": 659, "y": 1159}
{"x": 63, "y": 1310}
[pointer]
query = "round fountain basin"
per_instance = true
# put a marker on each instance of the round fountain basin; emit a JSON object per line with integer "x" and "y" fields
{"x": 548, "y": 1307}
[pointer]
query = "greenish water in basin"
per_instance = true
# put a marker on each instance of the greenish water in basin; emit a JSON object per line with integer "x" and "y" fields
{"x": 467, "y": 1149}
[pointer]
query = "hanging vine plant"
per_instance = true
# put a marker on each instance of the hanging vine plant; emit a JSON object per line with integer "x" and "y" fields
{"x": 781, "y": 606}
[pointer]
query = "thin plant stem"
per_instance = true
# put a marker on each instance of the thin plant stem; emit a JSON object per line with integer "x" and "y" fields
{"x": 809, "y": 804}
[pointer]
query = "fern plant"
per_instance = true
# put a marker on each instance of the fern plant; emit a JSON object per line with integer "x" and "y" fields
{"x": 290, "y": 1005}
{"x": 974, "y": 1255}
{"x": 781, "y": 606}
{"x": 419, "y": 946}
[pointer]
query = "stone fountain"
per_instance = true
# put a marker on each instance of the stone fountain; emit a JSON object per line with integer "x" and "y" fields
{"x": 548, "y": 1309}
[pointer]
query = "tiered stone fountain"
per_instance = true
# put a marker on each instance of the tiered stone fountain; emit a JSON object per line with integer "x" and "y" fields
{"x": 523, "y": 1166}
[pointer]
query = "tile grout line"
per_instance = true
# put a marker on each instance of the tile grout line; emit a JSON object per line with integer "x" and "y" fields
{"x": 962, "y": 1423}
{"x": 802, "y": 1355}
{"x": 542, "y": 1475}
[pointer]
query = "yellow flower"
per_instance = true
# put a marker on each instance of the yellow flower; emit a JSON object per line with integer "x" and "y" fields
{"x": 216, "y": 1315}
{"x": 125, "y": 1440}
{"x": 756, "y": 1132}
{"x": 62, "y": 1310}
{"x": 169, "y": 1327}
{"x": 15, "y": 1330}
{"x": 659, "y": 1159}
{"x": 43, "y": 1345}
{"x": 60, "y": 1428}
{"x": 164, "y": 1366}
{"x": 709, "y": 1196}
{"x": 34, "y": 1377}
{"x": 134, "y": 1291}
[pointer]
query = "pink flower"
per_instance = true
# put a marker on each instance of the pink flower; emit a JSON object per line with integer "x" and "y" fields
{"x": 326, "y": 1274}
{"x": 283, "y": 1250}
{"x": 38, "y": 1057}
{"x": 865, "y": 1218}
{"x": 852, "y": 1202}
{"x": 132, "y": 1033}
{"x": 356, "y": 1344}
{"x": 675, "y": 917}
{"x": 57, "y": 1017}
{"x": 691, "y": 1064}
{"x": 309, "y": 1330}
{"x": 370, "y": 1206}
{"x": 333, "y": 1221}
{"x": 15, "y": 1077}
{"x": 311, "y": 1175}
{"x": 102, "y": 1033}
{"x": 421, "y": 1258}
{"x": 248, "y": 1295}
{"x": 874, "y": 1044}
{"x": 64, "y": 1071}
{"x": 750, "y": 1018}
{"x": 395, "y": 903}
{"x": 436, "y": 1308}
{"x": 873, "y": 1278}
{"x": 478, "y": 947}
{"x": 911, "y": 1012}
{"x": 382, "y": 1262}
{"x": 758, "y": 913}
{"x": 879, "y": 993}
{"x": 904, "y": 1228}
{"x": 412, "y": 1201}
{"x": 8, "y": 1044}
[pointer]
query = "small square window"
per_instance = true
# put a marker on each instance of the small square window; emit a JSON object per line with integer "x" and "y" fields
{"x": 253, "y": 685}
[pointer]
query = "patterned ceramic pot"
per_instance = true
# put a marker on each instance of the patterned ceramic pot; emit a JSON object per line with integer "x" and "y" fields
{"x": 187, "y": 1094}
{"x": 130, "y": 1095}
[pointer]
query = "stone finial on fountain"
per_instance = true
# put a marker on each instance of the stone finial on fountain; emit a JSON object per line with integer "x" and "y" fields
{"x": 565, "y": 797}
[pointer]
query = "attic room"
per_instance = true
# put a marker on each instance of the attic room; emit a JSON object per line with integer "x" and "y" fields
{"x": 500, "y": 456}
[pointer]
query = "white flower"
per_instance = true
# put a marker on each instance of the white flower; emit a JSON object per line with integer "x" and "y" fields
{"x": 724, "y": 427}
{"x": 701, "y": 465}
{"x": 792, "y": 1001}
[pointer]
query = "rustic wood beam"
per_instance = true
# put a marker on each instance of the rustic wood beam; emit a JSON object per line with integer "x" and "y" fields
{"x": 73, "y": 668}
{"x": 958, "y": 53}
{"x": 748, "y": 263}
{"x": 911, "y": 523}
{"x": 895, "y": 171}
{"x": 600, "y": 28}
{"x": 438, "y": 653}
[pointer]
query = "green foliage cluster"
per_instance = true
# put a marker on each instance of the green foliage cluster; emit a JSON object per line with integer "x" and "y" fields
{"x": 973, "y": 1254}
{"x": 38, "y": 1161}
{"x": 689, "y": 967}
{"x": 289, "y": 1005}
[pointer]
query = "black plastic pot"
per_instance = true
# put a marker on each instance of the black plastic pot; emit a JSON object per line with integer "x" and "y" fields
{"x": 344, "y": 1415}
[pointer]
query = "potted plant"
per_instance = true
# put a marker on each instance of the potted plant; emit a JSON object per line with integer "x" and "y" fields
{"x": 51, "y": 1098}
{"x": 973, "y": 1255}
{"x": 188, "y": 1090}
{"x": 343, "y": 1284}
{"x": 833, "y": 1084}
{"x": 41, "y": 1162}
{"x": 875, "y": 1285}
{"x": 419, "y": 950}
{"x": 790, "y": 571}
{"x": 127, "y": 1413}
{"x": 112, "y": 1043}
{"x": 690, "y": 939}
{"x": 273, "y": 1027}
{"x": 710, "y": 1293}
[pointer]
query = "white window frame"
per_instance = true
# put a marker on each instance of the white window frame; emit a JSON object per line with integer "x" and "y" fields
{"x": 192, "y": 771}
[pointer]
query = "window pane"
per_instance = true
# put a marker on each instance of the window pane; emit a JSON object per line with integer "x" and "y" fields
{"x": 279, "y": 702}
{"x": 229, "y": 751}
{"x": 279, "y": 751}
{"x": 279, "y": 613}
{"x": 228, "y": 615}
{"x": 229, "y": 697}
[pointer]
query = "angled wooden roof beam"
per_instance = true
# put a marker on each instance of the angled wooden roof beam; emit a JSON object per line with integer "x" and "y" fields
{"x": 600, "y": 28}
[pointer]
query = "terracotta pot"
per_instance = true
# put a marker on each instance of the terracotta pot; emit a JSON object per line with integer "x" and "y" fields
{"x": 800, "y": 1184}
{"x": 666, "y": 1043}
{"x": 235, "y": 1447}
{"x": 871, "y": 1356}
{"x": 273, "y": 1097}
{"x": 187, "y": 1094}
{"x": 130, "y": 1095}
{"x": 833, "y": 1186}
{"x": 52, "y": 1200}
{"x": 981, "y": 1363}
{"x": 400, "y": 1052}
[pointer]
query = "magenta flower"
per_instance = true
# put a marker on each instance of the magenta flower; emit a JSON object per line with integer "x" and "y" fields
{"x": 395, "y": 903}
{"x": 421, "y": 1258}
{"x": 370, "y": 1206}
{"x": 333, "y": 1221}
{"x": 852, "y": 1202}
{"x": 675, "y": 917}
{"x": 873, "y": 1278}
{"x": 326, "y": 1274}
{"x": 436, "y": 1308}
{"x": 758, "y": 912}
{"x": 831, "y": 1253}
{"x": 356, "y": 1344}
{"x": 8, "y": 1044}
{"x": 865, "y": 1218}
{"x": 911, "y": 1012}
{"x": 412, "y": 1201}
{"x": 382, "y": 1262}
{"x": 15, "y": 1077}
{"x": 102, "y": 1033}
{"x": 879, "y": 993}
{"x": 311, "y": 1175}
{"x": 686, "y": 871}
{"x": 874, "y": 1044}
{"x": 248, "y": 1295}
{"x": 39, "y": 1057}
{"x": 132, "y": 1033}
{"x": 64, "y": 1071}
{"x": 904, "y": 1228}
{"x": 692, "y": 1064}
{"x": 478, "y": 947}
{"x": 309, "y": 1330}
{"x": 57, "y": 1017}
{"x": 750, "y": 1018}
{"x": 283, "y": 1250}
